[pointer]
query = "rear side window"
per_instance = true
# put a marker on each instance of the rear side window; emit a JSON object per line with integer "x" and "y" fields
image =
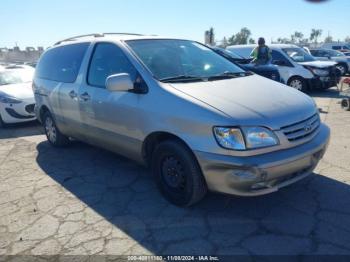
{"x": 336, "y": 47}
{"x": 62, "y": 64}
{"x": 108, "y": 59}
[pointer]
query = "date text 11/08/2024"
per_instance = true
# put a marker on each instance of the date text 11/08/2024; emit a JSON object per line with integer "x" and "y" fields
{"x": 173, "y": 258}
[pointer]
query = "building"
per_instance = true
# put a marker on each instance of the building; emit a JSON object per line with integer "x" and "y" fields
{"x": 15, "y": 55}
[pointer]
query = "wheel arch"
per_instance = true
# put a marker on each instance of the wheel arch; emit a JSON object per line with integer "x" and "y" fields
{"x": 42, "y": 110}
{"x": 153, "y": 139}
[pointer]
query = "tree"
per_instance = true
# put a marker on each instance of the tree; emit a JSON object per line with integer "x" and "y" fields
{"x": 315, "y": 34}
{"x": 241, "y": 38}
{"x": 328, "y": 39}
{"x": 347, "y": 39}
{"x": 224, "y": 43}
{"x": 298, "y": 36}
{"x": 210, "y": 36}
{"x": 283, "y": 40}
{"x": 251, "y": 41}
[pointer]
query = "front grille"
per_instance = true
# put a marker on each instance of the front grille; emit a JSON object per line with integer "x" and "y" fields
{"x": 302, "y": 129}
{"x": 30, "y": 108}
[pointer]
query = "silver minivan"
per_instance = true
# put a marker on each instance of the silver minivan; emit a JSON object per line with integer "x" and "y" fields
{"x": 197, "y": 120}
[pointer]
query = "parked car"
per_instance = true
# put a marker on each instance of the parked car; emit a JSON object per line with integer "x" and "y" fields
{"x": 336, "y": 56}
{"x": 339, "y": 46}
{"x": 270, "y": 71}
{"x": 297, "y": 68}
{"x": 199, "y": 121}
{"x": 16, "y": 95}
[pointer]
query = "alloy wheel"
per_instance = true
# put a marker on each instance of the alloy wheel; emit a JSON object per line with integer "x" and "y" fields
{"x": 341, "y": 69}
{"x": 50, "y": 129}
{"x": 297, "y": 84}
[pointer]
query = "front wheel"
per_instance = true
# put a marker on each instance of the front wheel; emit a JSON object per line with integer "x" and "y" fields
{"x": 342, "y": 68}
{"x": 345, "y": 104}
{"x": 54, "y": 136}
{"x": 177, "y": 174}
{"x": 298, "y": 83}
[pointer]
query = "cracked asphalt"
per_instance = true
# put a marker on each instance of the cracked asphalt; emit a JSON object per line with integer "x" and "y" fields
{"x": 84, "y": 200}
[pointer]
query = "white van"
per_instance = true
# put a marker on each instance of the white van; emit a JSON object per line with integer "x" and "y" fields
{"x": 340, "y": 46}
{"x": 298, "y": 68}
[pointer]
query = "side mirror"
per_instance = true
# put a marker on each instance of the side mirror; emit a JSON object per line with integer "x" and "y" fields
{"x": 119, "y": 82}
{"x": 279, "y": 62}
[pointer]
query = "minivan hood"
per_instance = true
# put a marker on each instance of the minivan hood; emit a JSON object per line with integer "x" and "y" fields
{"x": 253, "y": 100}
{"x": 22, "y": 90}
{"x": 319, "y": 64}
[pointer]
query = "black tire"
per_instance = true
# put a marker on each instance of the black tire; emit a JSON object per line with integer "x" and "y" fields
{"x": 177, "y": 174}
{"x": 54, "y": 136}
{"x": 345, "y": 104}
{"x": 343, "y": 68}
{"x": 298, "y": 83}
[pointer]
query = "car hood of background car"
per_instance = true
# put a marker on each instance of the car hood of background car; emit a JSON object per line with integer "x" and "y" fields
{"x": 319, "y": 64}
{"x": 22, "y": 90}
{"x": 252, "y": 100}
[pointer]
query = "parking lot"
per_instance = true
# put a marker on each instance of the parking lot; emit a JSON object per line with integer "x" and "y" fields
{"x": 84, "y": 200}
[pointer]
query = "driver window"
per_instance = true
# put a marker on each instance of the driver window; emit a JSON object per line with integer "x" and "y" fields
{"x": 108, "y": 59}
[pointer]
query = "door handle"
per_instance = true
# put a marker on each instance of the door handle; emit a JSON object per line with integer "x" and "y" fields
{"x": 72, "y": 94}
{"x": 85, "y": 96}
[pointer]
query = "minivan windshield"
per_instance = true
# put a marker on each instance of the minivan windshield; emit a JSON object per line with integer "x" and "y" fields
{"x": 183, "y": 60}
{"x": 298, "y": 54}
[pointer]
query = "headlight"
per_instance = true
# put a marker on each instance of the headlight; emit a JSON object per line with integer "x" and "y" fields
{"x": 8, "y": 99}
{"x": 229, "y": 138}
{"x": 258, "y": 137}
{"x": 255, "y": 137}
{"x": 319, "y": 72}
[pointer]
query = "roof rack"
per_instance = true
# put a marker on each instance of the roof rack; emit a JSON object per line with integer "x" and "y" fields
{"x": 94, "y": 35}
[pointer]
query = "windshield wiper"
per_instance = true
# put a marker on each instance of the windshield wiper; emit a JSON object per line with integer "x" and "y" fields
{"x": 181, "y": 78}
{"x": 228, "y": 75}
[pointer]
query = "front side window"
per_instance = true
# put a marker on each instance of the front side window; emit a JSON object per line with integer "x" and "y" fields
{"x": 167, "y": 58}
{"x": 108, "y": 59}
{"x": 278, "y": 57}
{"x": 62, "y": 64}
{"x": 298, "y": 54}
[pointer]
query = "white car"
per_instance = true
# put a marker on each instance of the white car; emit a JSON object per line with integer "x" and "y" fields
{"x": 340, "y": 46}
{"x": 16, "y": 95}
{"x": 298, "y": 68}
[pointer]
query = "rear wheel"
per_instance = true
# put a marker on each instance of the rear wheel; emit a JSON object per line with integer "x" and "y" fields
{"x": 54, "y": 136}
{"x": 177, "y": 174}
{"x": 345, "y": 104}
{"x": 298, "y": 83}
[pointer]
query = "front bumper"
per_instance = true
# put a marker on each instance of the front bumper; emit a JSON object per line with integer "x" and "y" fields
{"x": 262, "y": 174}
{"x": 16, "y": 113}
{"x": 323, "y": 82}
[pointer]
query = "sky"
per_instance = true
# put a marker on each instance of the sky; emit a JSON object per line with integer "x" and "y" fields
{"x": 43, "y": 22}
